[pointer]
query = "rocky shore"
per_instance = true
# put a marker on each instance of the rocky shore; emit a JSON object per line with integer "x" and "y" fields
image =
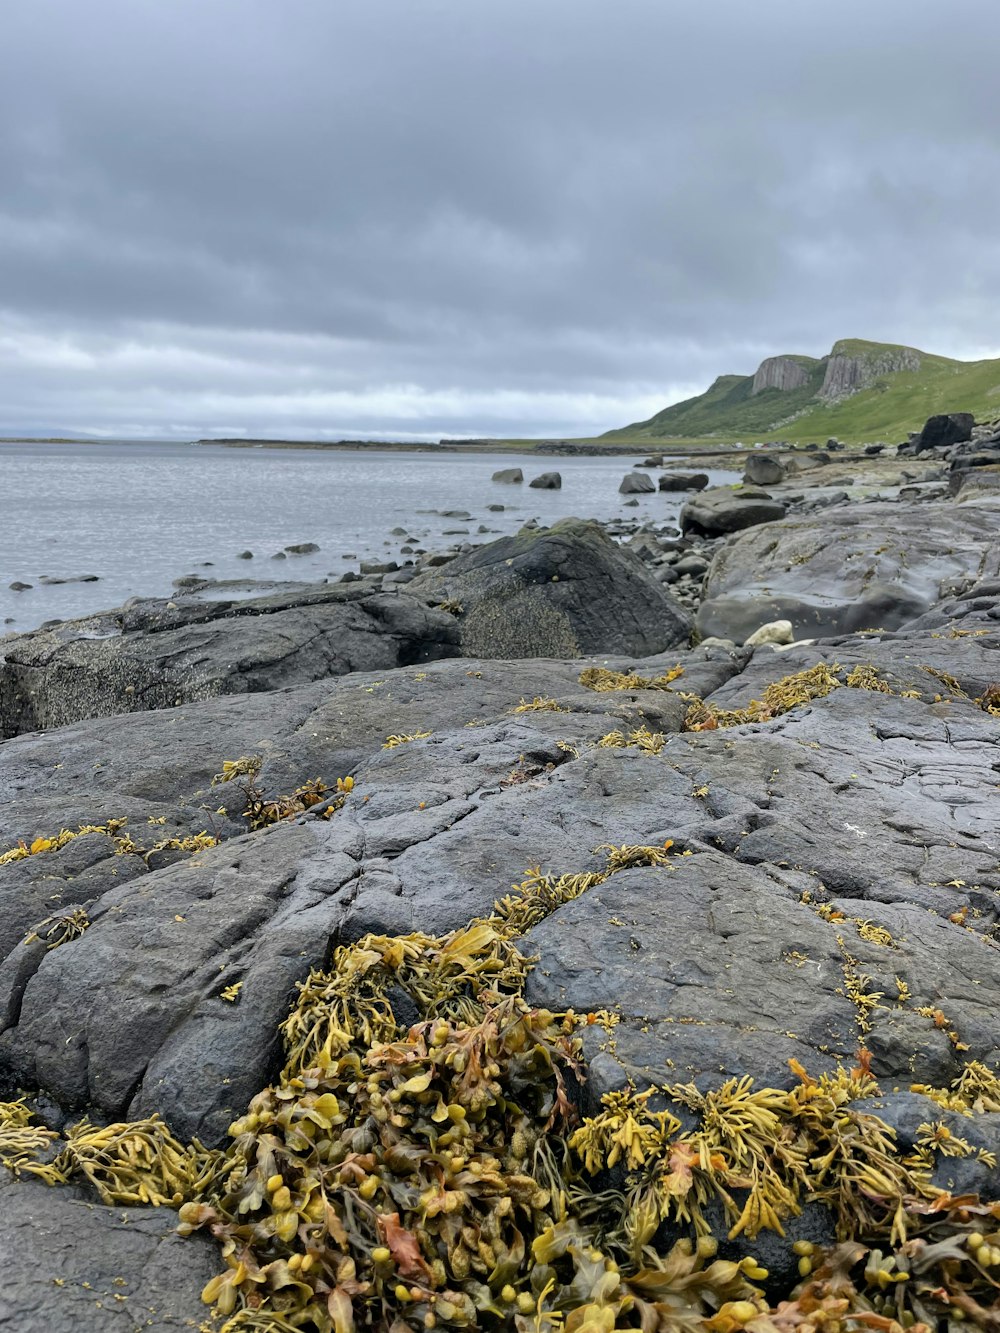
{"x": 724, "y": 793}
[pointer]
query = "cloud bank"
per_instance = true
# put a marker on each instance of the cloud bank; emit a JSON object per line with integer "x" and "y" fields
{"x": 465, "y": 217}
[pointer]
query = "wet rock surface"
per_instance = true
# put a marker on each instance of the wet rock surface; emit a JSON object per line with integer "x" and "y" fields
{"x": 75, "y": 1266}
{"x": 832, "y": 883}
{"x": 157, "y": 654}
{"x": 722, "y": 510}
{"x": 865, "y": 566}
{"x": 564, "y": 591}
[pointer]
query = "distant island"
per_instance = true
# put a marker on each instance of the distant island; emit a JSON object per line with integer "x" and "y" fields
{"x": 860, "y": 391}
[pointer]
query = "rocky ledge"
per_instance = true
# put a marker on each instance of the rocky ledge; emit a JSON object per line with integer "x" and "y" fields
{"x": 632, "y": 985}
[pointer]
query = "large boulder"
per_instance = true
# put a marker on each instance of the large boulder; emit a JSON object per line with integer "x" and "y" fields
{"x": 719, "y": 511}
{"x": 851, "y": 568}
{"x": 508, "y": 475}
{"x": 683, "y": 481}
{"x": 636, "y": 483}
{"x": 563, "y": 591}
{"x": 762, "y": 470}
{"x": 944, "y": 429}
{"x": 547, "y": 481}
{"x": 157, "y": 654}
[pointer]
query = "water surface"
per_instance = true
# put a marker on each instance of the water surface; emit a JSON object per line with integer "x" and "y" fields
{"x": 139, "y": 515}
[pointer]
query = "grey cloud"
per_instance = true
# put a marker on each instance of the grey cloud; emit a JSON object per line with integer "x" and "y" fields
{"x": 471, "y": 216}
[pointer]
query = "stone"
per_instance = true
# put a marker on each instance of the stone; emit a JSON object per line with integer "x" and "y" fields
{"x": 683, "y": 481}
{"x": 777, "y": 631}
{"x": 18, "y": 586}
{"x": 636, "y": 483}
{"x": 721, "y": 510}
{"x": 72, "y": 1265}
{"x": 547, "y": 481}
{"x": 152, "y": 656}
{"x": 245, "y": 555}
{"x": 850, "y": 568}
{"x": 563, "y": 591}
{"x": 762, "y": 470}
{"x": 508, "y": 475}
{"x": 53, "y": 580}
{"x": 944, "y": 429}
{"x": 695, "y": 565}
{"x": 302, "y": 548}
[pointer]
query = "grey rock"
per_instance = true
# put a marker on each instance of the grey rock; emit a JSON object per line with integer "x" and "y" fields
{"x": 18, "y": 586}
{"x": 53, "y": 580}
{"x": 721, "y": 510}
{"x": 149, "y": 656}
{"x": 564, "y": 591}
{"x": 302, "y": 548}
{"x": 695, "y": 565}
{"x": 72, "y": 1265}
{"x": 855, "y": 567}
{"x": 508, "y": 475}
{"x": 944, "y": 429}
{"x": 683, "y": 481}
{"x": 636, "y": 483}
{"x": 547, "y": 481}
{"x": 762, "y": 470}
{"x": 245, "y": 555}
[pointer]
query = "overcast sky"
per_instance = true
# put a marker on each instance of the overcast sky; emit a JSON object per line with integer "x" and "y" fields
{"x": 439, "y": 217}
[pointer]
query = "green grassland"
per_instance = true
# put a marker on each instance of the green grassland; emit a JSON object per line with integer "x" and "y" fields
{"x": 896, "y": 403}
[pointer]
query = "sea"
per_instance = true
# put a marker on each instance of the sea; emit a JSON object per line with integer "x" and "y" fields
{"x": 139, "y": 514}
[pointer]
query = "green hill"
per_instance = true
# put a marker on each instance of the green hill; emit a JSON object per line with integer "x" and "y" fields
{"x": 860, "y": 391}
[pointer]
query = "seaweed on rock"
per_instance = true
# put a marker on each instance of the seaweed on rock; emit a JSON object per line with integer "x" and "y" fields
{"x": 421, "y": 1163}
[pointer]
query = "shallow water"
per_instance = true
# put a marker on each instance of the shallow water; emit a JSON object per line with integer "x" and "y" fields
{"x": 139, "y": 515}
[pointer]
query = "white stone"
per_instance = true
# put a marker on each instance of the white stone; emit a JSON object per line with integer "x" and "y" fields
{"x": 777, "y": 631}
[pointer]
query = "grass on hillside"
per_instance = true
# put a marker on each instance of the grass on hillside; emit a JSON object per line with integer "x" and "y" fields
{"x": 897, "y": 403}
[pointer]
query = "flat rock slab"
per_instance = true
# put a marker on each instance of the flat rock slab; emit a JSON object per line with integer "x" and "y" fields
{"x": 856, "y": 567}
{"x": 74, "y": 1266}
{"x": 130, "y": 1016}
{"x": 159, "y": 654}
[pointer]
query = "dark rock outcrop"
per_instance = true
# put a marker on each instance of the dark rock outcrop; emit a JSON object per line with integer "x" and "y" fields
{"x": 157, "y": 654}
{"x": 944, "y": 429}
{"x": 779, "y": 372}
{"x": 547, "y": 481}
{"x": 564, "y": 591}
{"x": 683, "y": 481}
{"x": 762, "y": 470}
{"x": 72, "y": 1265}
{"x": 719, "y": 511}
{"x": 636, "y": 483}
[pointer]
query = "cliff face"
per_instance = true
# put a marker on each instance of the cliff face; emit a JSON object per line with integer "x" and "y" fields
{"x": 848, "y": 372}
{"x": 779, "y": 372}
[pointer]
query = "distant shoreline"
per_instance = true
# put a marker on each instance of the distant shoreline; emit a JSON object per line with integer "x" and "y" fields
{"x": 552, "y": 448}
{"x": 566, "y": 448}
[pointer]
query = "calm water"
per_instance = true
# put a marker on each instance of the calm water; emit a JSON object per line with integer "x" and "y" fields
{"x": 138, "y": 515}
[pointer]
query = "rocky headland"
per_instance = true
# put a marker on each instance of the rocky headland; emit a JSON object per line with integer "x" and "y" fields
{"x": 590, "y": 929}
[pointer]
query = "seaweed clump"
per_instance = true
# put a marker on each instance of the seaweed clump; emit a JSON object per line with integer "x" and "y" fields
{"x": 641, "y": 739}
{"x": 604, "y": 681}
{"x": 57, "y": 841}
{"x": 421, "y": 1163}
{"x": 779, "y": 697}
